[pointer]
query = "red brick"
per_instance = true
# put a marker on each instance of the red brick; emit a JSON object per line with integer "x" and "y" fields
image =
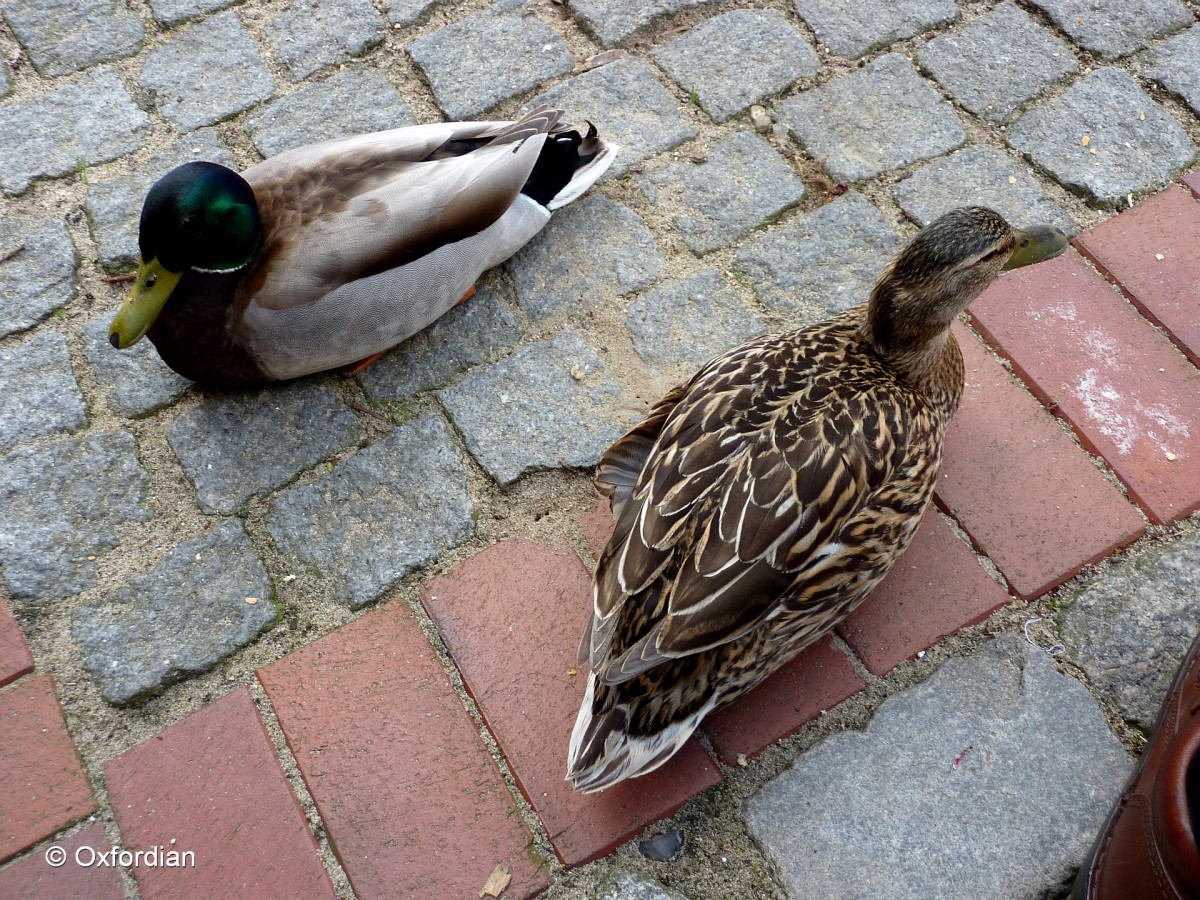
{"x": 15, "y": 658}
{"x": 597, "y": 526}
{"x": 1030, "y": 499}
{"x": 211, "y": 784}
{"x": 820, "y": 678}
{"x": 512, "y": 617}
{"x": 412, "y": 801}
{"x": 45, "y": 788}
{"x": 1193, "y": 182}
{"x": 936, "y": 588}
{"x": 1153, "y": 253}
{"x": 33, "y": 878}
{"x": 1131, "y": 396}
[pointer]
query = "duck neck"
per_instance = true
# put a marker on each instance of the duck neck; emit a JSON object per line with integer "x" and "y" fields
{"x": 921, "y": 351}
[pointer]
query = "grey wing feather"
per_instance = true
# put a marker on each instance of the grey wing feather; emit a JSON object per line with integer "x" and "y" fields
{"x": 376, "y": 313}
{"x": 349, "y": 228}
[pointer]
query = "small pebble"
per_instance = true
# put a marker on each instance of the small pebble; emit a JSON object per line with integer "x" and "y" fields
{"x": 663, "y": 847}
{"x": 760, "y": 119}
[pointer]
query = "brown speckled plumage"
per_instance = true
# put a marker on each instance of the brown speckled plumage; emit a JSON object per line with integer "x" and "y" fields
{"x": 762, "y": 501}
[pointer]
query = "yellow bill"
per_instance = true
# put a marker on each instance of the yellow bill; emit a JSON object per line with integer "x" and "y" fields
{"x": 149, "y": 295}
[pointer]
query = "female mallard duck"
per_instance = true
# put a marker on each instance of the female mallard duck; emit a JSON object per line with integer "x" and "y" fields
{"x": 761, "y": 501}
{"x": 336, "y": 252}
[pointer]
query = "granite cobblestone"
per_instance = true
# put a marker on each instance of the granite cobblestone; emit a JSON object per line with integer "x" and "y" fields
{"x": 350, "y": 102}
{"x": 737, "y": 59}
{"x": 689, "y": 320}
{"x": 876, "y": 119}
{"x": 853, "y": 27}
{"x": 1130, "y": 627}
{"x": 997, "y": 62}
{"x": 468, "y": 334}
{"x": 136, "y": 381}
{"x": 37, "y": 270}
{"x": 1113, "y": 28}
{"x": 389, "y": 508}
{"x": 611, "y": 250}
{"x": 312, "y": 34}
{"x": 55, "y": 133}
{"x": 523, "y": 51}
{"x": 1105, "y": 137}
{"x": 214, "y": 441}
{"x": 550, "y": 404}
{"x": 820, "y": 263}
{"x": 60, "y": 507}
{"x": 409, "y": 12}
{"x": 740, "y": 185}
{"x": 612, "y": 21}
{"x": 974, "y": 772}
{"x": 64, "y": 36}
{"x": 1175, "y": 64}
{"x": 39, "y": 396}
{"x": 173, "y": 12}
{"x": 979, "y": 176}
{"x": 206, "y": 72}
{"x": 651, "y": 120}
{"x": 205, "y": 599}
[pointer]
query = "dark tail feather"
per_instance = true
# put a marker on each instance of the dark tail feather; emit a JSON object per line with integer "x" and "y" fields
{"x": 556, "y": 166}
{"x": 568, "y": 165}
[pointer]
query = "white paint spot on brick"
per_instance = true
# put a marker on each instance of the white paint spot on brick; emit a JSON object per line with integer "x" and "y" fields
{"x": 1125, "y": 420}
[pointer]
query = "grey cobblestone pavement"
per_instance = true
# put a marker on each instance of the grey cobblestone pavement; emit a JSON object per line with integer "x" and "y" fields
{"x": 775, "y": 154}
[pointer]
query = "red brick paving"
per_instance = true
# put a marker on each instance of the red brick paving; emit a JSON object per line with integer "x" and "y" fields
{"x": 412, "y": 801}
{"x": 213, "y": 785}
{"x": 1193, "y": 182}
{"x": 512, "y": 616}
{"x": 45, "y": 788}
{"x": 15, "y": 658}
{"x": 1153, "y": 253}
{"x": 936, "y": 588}
{"x": 820, "y": 678}
{"x": 33, "y": 878}
{"x": 1029, "y": 498}
{"x": 1132, "y": 397}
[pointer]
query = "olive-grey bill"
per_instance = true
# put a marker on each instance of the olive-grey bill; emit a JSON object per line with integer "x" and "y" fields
{"x": 1035, "y": 244}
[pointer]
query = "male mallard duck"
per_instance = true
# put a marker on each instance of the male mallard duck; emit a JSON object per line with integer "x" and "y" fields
{"x": 333, "y": 253}
{"x": 761, "y": 501}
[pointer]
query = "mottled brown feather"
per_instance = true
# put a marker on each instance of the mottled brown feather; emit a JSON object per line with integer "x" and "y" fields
{"x": 774, "y": 491}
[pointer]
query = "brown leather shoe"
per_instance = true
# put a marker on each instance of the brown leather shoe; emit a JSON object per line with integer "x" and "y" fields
{"x": 1148, "y": 848}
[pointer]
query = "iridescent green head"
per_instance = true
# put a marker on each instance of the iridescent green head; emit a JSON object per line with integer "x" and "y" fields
{"x": 200, "y": 216}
